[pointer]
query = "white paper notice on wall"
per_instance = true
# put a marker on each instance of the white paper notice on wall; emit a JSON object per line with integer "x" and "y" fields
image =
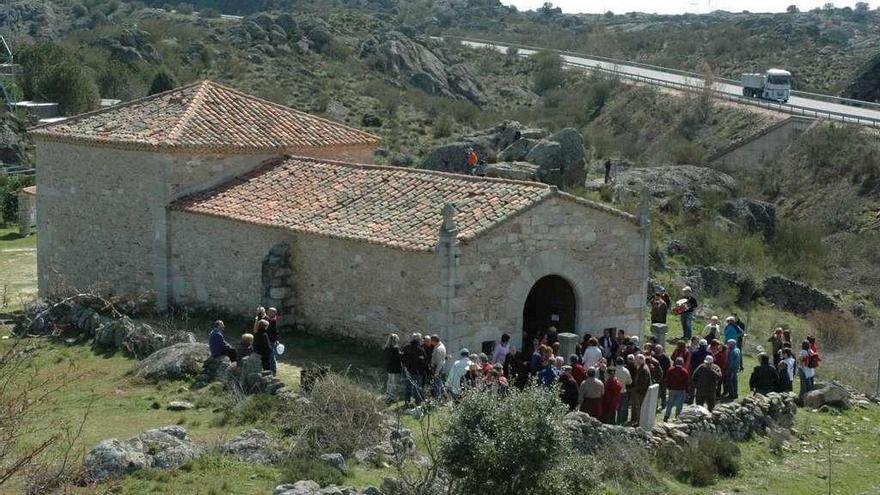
{"x": 554, "y": 317}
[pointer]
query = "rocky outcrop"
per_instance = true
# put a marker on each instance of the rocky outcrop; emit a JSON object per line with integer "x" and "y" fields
{"x": 561, "y": 155}
{"x": 712, "y": 281}
{"x": 667, "y": 182}
{"x": 161, "y": 448}
{"x": 758, "y": 217}
{"x": 131, "y": 46}
{"x": 175, "y": 362}
{"x": 253, "y": 446}
{"x": 739, "y": 420}
{"x": 247, "y": 377}
{"x": 559, "y": 159}
{"x": 422, "y": 64}
{"x": 865, "y": 85}
{"x": 14, "y": 145}
{"x": 796, "y": 297}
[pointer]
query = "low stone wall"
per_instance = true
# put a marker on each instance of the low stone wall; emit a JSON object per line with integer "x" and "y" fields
{"x": 740, "y": 420}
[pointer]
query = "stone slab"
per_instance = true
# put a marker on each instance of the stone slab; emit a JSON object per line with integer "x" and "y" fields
{"x": 567, "y": 344}
{"x": 648, "y": 413}
{"x": 659, "y": 331}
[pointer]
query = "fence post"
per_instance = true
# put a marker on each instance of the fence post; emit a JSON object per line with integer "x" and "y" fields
{"x": 877, "y": 391}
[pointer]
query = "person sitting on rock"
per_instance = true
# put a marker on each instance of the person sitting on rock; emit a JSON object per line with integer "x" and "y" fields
{"x": 218, "y": 345}
{"x": 764, "y": 377}
{"x": 246, "y": 346}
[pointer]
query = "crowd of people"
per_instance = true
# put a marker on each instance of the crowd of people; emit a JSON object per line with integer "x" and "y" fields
{"x": 609, "y": 376}
{"x": 263, "y": 339}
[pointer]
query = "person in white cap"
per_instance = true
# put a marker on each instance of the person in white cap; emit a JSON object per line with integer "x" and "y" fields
{"x": 688, "y": 307}
{"x": 705, "y": 380}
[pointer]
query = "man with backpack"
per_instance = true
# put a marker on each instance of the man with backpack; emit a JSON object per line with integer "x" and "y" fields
{"x": 809, "y": 360}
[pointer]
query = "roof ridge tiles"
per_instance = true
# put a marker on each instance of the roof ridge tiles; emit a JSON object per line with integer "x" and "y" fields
{"x": 191, "y": 109}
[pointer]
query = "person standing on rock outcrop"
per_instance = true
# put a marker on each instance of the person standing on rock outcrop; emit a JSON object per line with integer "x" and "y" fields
{"x": 705, "y": 380}
{"x": 659, "y": 308}
{"x": 472, "y": 161}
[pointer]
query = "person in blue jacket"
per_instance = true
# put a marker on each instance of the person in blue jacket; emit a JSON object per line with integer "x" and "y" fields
{"x": 734, "y": 360}
{"x": 217, "y": 343}
{"x": 732, "y": 330}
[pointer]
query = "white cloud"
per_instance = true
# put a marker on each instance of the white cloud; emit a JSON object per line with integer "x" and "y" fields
{"x": 678, "y": 6}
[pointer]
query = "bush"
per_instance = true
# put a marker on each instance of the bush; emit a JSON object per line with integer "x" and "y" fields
{"x": 307, "y": 468}
{"x": 209, "y": 13}
{"x": 255, "y": 409}
{"x": 699, "y": 462}
{"x": 709, "y": 245}
{"x": 835, "y": 330}
{"x": 798, "y": 251}
{"x": 548, "y": 73}
{"x": 341, "y": 417}
{"x": 517, "y": 440}
{"x": 163, "y": 81}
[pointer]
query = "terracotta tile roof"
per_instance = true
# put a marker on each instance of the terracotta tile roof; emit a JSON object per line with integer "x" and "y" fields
{"x": 203, "y": 116}
{"x": 397, "y": 207}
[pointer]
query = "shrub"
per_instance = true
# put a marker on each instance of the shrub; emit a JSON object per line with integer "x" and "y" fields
{"x": 709, "y": 245}
{"x": 162, "y": 81}
{"x": 341, "y": 416}
{"x": 700, "y": 461}
{"x": 548, "y": 73}
{"x": 255, "y": 409}
{"x": 835, "y": 330}
{"x": 798, "y": 251}
{"x": 518, "y": 439}
{"x": 209, "y": 13}
{"x": 308, "y": 468}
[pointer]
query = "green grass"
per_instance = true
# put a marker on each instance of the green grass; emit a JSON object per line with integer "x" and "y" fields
{"x": 18, "y": 269}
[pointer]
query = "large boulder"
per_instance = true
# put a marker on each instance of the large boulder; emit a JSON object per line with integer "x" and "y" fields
{"x": 253, "y": 446}
{"x": 561, "y": 155}
{"x": 758, "y": 217}
{"x": 112, "y": 334}
{"x": 142, "y": 341}
{"x": 832, "y": 394}
{"x": 174, "y": 362}
{"x": 796, "y": 297}
{"x": 518, "y": 150}
{"x": 666, "y": 182}
{"x": 512, "y": 170}
{"x": 450, "y": 157}
{"x": 305, "y": 487}
{"x": 160, "y": 448}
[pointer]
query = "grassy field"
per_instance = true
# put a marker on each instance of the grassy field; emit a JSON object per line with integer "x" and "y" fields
{"x": 18, "y": 269}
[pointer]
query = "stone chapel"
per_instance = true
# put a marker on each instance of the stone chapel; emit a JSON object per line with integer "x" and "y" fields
{"x": 207, "y": 197}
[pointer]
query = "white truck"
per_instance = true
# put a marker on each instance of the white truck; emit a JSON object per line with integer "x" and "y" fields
{"x": 775, "y": 84}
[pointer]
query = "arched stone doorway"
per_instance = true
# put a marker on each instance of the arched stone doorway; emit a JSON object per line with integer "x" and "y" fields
{"x": 551, "y": 302}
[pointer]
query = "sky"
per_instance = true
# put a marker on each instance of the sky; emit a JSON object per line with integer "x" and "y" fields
{"x": 679, "y": 6}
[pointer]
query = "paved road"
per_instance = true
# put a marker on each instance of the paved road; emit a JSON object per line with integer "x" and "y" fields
{"x": 850, "y": 113}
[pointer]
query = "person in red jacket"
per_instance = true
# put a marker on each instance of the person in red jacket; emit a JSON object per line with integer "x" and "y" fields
{"x": 611, "y": 397}
{"x": 677, "y": 381}
{"x": 578, "y": 372}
